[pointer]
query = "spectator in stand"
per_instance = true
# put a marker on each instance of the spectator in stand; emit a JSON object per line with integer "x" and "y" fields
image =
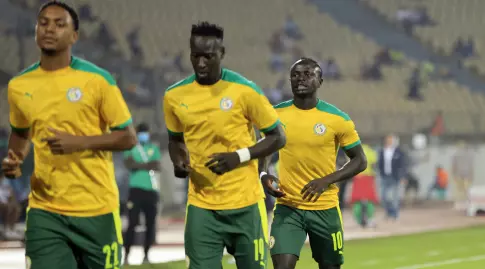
{"x": 383, "y": 56}
{"x": 178, "y": 62}
{"x": 277, "y": 63}
{"x": 291, "y": 29}
{"x": 458, "y": 47}
{"x": 371, "y": 71}
{"x": 133, "y": 38}
{"x": 276, "y": 43}
{"x": 414, "y": 85}
{"x": 463, "y": 165}
{"x": 104, "y": 37}
{"x": 437, "y": 128}
{"x": 464, "y": 49}
{"x": 85, "y": 13}
{"x": 330, "y": 69}
{"x": 387, "y": 56}
{"x": 469, "y": 49}
{"x": 423, "y": 18}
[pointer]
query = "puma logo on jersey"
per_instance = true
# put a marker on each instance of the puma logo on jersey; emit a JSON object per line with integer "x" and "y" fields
{"x": 28, "y": 94}
{"x": 184, "y": 105}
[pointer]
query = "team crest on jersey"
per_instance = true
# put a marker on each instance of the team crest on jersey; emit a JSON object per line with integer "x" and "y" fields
{"x": 226, "y": 103}
{"x": 74, "y": 94}
{"x": 319, "y": 129}
{"x": 150, "y": 152}
{"x": 28, "y": 262}
{"x": 271, "y": 242}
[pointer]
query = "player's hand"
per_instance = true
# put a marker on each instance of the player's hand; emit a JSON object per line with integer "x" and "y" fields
{"x": 11, "y": 165}
{"x": 267, "y": 181}
{"x": 64, "y": 143}
{"x": 221, "y": 163}
{"x": 314, "y": 189}
{"x": 181, "y": 170}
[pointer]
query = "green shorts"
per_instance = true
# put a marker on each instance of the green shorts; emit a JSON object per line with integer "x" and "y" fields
{"x": 243, "y": 232}
{"x": 58, "y": 241}
{"x": 324, "y": 228}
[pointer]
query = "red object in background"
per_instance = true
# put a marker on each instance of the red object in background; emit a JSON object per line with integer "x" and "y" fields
{"x": 364, "y": 188}
{"x": 442, "y": 178}
{"x": 438, "y": 127}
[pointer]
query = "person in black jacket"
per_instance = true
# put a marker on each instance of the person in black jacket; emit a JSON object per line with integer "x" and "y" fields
{"x": 392, "y": 169}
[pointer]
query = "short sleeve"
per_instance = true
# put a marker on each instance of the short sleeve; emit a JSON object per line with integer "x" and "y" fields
{"x": 18, "y": 120}
{"x": 114, "y": 109}
{"x": 347, "y": 135}
{"x": 173, "y": 124}
{"x": 259, "y": 111}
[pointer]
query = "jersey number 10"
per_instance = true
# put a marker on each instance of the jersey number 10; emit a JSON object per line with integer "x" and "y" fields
{"x": 338, "y": 241}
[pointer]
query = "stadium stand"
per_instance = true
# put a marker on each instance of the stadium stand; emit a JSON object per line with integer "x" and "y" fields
{"x": 453, "y": 20}
{"x": 164, "y": 31}
{"x": 322, "y": 34}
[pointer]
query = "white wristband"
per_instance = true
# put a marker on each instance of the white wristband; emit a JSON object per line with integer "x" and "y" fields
{"x": 262, "y": 175}
{"x": 244, "y": 155}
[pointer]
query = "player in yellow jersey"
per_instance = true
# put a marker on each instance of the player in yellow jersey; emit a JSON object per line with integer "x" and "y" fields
{"x": 307, "y": 201}
{"x": 67, "y": 106}
{"x": 210, "y": 117}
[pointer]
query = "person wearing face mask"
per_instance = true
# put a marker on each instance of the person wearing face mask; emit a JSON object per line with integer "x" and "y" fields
{"x": 143, "y": 161}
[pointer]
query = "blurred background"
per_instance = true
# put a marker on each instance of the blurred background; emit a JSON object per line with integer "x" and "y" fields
{"x": 410, "y": 73}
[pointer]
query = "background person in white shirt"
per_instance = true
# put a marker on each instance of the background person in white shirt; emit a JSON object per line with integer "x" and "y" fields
{"x": 392, "y": 168}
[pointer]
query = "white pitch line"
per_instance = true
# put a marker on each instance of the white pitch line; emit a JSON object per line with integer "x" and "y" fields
{"x": 446, "y": 262}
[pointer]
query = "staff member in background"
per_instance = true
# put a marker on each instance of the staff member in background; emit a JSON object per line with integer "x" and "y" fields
{"x": 364, "y": 196}
{"x": 143, "y": 161}
{"x": 463, "y": 166}
{"x": 391, "y": 163}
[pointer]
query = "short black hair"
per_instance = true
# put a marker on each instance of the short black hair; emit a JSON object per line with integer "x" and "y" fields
{"x": 306, "y": 60}
{"x": 69, "y": 9}
{"x": 310, "y": 61}
{"x": 142, "y": 127}
{"x": 205, "y": 28}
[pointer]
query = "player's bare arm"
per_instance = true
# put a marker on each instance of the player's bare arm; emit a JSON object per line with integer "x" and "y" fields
{"x": 267, "y": 179}
{"x": 132, "y": 165}
{"x": 18, "y": 149}
{"x": 179, "y": 155}
{"x": 117, "y": 140}
{"x": 221, "y": 163}
{"x": 356, "y": 164}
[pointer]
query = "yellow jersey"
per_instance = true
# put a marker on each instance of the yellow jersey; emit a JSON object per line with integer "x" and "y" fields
{"x": 81, "y": 99}
{"x": 215, "y": 119}
{"x": 313, "y": 138}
